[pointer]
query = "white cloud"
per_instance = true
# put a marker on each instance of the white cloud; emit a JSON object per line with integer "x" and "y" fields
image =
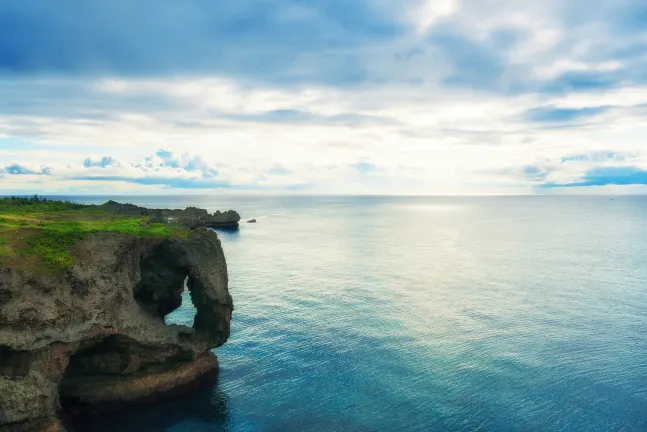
{"x": 423, "y": 131}
{"x": 426, "y": 13}
{"x": 436, "y": 140}
{"x": 563, "y": 66}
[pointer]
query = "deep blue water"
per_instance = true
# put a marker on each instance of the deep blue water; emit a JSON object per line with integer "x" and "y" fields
{"x": 425, "y": 313}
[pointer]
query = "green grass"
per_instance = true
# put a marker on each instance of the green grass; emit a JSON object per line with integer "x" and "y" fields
{"x": 38, "y": 234}
{"x": 37, "y": 204}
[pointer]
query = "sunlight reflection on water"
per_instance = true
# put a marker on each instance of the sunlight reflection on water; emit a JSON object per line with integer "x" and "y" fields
{"x": 417, "y": 314}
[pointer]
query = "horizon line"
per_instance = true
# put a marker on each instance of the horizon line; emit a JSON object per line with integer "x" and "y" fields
{"x": 324, "y": 194}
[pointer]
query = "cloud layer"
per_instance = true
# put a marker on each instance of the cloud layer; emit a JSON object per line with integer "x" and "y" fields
{"x": 417, "y": 96}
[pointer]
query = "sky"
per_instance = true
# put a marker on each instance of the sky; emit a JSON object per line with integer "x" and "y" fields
{"x": 323, "y": 96}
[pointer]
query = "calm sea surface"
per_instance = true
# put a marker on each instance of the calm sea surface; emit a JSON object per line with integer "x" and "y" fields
{"x": 423, "y": 314}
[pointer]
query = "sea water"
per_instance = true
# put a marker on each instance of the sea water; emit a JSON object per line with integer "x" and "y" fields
{"x": 423, "y": 314}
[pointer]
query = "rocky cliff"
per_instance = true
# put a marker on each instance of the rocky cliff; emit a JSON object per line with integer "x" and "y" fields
{"x": 190, "y": 217}
{"x": 94, "y": 335}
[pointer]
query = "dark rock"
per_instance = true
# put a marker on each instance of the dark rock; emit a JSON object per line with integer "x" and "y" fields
{"x": 190, "y": 217}
{"x": 96, "y": 394}
{"x": 102, "y": 322}
{"x": 49, "y": 424}
{"x": 251, "y": 221}
{"x": 124, "y": 209}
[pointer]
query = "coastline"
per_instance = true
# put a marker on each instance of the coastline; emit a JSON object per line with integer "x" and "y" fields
{"x": 82, "y": 316}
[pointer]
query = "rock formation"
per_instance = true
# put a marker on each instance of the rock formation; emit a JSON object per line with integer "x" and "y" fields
{"x": 251, "y": 221}
{"x": 94, "y": 335}
{"x": 191, "y": 217}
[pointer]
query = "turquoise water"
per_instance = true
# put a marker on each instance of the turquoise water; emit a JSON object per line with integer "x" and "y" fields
{"x": 426, "y": 313}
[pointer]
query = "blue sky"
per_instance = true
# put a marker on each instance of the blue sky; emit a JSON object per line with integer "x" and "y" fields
{"x": 325, "y": 96}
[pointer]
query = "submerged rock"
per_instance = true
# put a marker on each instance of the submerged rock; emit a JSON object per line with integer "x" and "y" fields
{"x": 251, "y": 221}
{"x": 95, "y": 333}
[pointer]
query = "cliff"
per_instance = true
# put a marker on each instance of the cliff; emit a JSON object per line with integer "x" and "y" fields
{"x": 191, "y": 217}
{"x": 82, "y": 315}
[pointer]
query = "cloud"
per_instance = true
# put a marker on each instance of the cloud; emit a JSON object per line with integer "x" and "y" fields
{"x": 415, "y": 96}
{"x": 364, "y": 167}
{"x": 285, "y": 116}
{"x": 603, "y": 176}
{"x": 278, "y": 170}
{"x": 166, "y": 170}
{"x": 482, "y": 44}
{"x": 559, "y": 115}
{"x": 16, "y": 169}
{"x": 185, "y": 162}
{"x": 474, "y": 64}
{"x": 162, "y": 161}
{"x": 603, "y": 156}
{"x": 186, "y": 171}
{"x": 250, "y": 38}
{"x": 600, "y": 168}
{"x": 442, "y": 138}
{"x": 170, "y": 182}
{"x": 429, "y": 12}
{"x": 104, "y": 162}
{"x": 531, "y": 174}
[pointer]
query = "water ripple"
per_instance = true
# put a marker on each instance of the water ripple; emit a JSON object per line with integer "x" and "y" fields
{"x": 419, "y": 314}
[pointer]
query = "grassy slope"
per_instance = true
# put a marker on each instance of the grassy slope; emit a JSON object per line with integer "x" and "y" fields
{"x": 38, "y": 234}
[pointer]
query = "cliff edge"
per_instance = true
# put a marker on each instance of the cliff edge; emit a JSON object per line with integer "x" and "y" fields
{"x": 190, "y": 217}
{"x": 83, "y": 296}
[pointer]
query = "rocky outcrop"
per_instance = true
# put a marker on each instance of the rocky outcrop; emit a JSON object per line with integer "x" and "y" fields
{"x": 228, "y": 219}
{"x": 251, "y": 221}
{"x": 95, "y": 334}
{"x": 190, "y": 217}
{"x": 99, "y": 393}
{"x": 49, "y": 424}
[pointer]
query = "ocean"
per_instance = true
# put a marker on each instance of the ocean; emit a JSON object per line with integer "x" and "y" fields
{"x": 422, "y": 314}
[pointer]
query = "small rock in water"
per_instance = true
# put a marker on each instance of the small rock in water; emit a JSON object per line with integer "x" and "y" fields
{"x": 251, "y": 221}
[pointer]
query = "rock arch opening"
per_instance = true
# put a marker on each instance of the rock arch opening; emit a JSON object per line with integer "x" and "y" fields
{"x": 166, "y": 274}
{"x": 162, "y": 281}
{"x": 185, "y": 313}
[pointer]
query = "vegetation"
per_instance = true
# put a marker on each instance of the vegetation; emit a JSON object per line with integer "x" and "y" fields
{"x": 38, "y": 233}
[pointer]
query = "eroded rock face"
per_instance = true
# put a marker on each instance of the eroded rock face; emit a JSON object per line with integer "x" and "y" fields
{"x": 104, "y": 320}
{"x": 48, "y": 424}
{"x": 106, "y": 392}
{"x": 190, "y": 217}
{"x": 191, "y": 220}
